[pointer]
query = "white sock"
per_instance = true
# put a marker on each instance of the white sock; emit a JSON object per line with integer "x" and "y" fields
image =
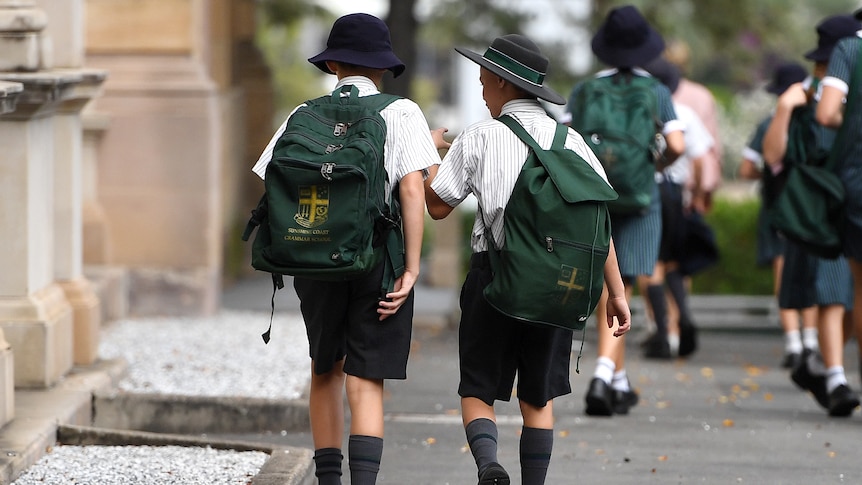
{"x": 793, "y": 342}
{"x": 621, "y": 381}
{"x": 605, "y": 368}
{"x": 673, "y": 341}
{"x": 835, "y": 377}
{"x": 809, "y": 338}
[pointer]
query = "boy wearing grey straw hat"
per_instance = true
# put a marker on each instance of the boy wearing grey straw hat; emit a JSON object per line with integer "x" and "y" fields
{"x": 625, "y": 41}
{"x": 485, "y": 160}
{"x": 356, "y": 339}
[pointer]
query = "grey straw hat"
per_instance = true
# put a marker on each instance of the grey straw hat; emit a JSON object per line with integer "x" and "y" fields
{"x": 518, "y": 60}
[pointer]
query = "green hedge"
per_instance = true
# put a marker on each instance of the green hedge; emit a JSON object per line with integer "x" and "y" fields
{"x": 735, "y": 224}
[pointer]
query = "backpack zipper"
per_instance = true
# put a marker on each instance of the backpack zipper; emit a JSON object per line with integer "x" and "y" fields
{"x": 340, "y": 128}
{"x": 550, "y": 241}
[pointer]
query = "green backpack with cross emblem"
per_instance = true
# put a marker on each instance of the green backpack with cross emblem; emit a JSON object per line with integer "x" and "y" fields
{"x": 328, "y": 212}
{"x": 618, "y": 118}
{"x": 557, "y": 229}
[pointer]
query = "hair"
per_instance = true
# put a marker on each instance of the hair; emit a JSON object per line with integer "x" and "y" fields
{"x": 678, "y": 53}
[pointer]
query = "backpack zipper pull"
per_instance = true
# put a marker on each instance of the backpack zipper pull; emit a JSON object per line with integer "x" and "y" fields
{"x": 549, "y": 243}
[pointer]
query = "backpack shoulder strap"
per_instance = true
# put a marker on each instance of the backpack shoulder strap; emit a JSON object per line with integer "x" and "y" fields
{"x": 560, "y": 135}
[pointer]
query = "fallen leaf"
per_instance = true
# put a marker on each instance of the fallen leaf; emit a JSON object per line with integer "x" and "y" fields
{"x": 706, "y": 372}
{"x": 736, "y": 389}
{"x": 832, "y": 454}
{"x": 662, "y": 404}
{"x": 563, "y": 433}
{"x": 728, "y": 423}
{"x": 430, "y": 441}
{"x": 753, "y": 370}
{"x": 662, "y": 458}
{"x": 768, "y": 396}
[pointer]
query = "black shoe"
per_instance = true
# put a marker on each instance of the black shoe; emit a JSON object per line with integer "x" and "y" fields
{"x": 791, "y": 360}
{"x": 494, "y": 474}
{"x": 810, "y": 375}
{"x": 657, "y": 348}
{"x": 599, "y": 398}
{"x": 624, "y": 400}
{"x": 687, "y": 338}
{"x": 842, "y": 401}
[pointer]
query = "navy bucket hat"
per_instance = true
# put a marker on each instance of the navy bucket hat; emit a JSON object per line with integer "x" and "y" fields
{"x": 784, "y": 76}
{"x": 361, "y": 40}
{"x": 829, "y": 32}
{"x": 626, "y": 39}
{"x": 518, "y": 60}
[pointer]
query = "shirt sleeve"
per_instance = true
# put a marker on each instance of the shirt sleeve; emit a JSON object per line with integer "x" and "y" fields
{"x": 840, "y": 66}
{"x": 666, "y": 112}
{"x": 260, "y": 166}
{"x": 451, "y": 183}
{"x": 411, "y": 144}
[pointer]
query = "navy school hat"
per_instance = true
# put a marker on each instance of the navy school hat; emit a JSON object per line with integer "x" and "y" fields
{"x": 665, "y": 71}
{"x": 784, "y": 76}
{"x": 626, "y": 39}
{"x": 829, "y": 32}
{"x": 361, "y": 40}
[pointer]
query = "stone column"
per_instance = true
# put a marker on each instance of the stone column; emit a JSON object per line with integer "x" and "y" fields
{"x": 35, "y": 316}
{"x": 9, "y": 93}
{"x": 68, "y": 221}
{"x": 65, "y": 32}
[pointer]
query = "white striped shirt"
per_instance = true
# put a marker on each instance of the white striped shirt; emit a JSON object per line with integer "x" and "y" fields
{"x": 408, "y": 146}
{"x": 486, "y": 159}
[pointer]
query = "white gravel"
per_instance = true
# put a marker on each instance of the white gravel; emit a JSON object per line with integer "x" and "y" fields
{"x": 151, "y": 465}
{"x": 222, "y": 355}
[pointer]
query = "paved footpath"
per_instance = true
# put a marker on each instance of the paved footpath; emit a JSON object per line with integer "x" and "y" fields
{"x": 728, "y": 414}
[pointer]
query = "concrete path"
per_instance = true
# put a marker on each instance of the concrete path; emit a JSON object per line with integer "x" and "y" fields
{"x": 728, "y": 414}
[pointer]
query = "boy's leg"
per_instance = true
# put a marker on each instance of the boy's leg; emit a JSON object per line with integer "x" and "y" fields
{"x": 365, "y": 445}
{"x": 326, "y": 413}
{"x": 481, "y": 429}
{"x": 537, "y": 442}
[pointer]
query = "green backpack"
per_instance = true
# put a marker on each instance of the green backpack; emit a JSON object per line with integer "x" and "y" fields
{"x": 558, "y": 231}
{"x": 617, "y": 116}
{"x": 809, "y": 206}
{"x": 328, "y": 212}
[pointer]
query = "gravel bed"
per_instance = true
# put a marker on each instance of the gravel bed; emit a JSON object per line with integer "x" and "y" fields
{"x": 150, "y": 465}
{"x": 222, "y": 355}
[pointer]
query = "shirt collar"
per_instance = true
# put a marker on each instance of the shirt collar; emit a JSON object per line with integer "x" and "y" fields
{"x": 365, "y": 86}
{"x": 612, "y": 71}
{"x": 522, "y": 105}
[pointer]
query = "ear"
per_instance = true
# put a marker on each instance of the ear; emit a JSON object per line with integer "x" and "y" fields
{"x": 332, "y": 66}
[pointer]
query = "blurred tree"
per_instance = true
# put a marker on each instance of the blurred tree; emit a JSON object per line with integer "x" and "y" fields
{"x": 402, "y": 28}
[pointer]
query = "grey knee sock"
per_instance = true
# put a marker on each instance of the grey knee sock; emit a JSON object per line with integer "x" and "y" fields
{"x": 364, "y": 454}
{"x": 676, "y": 285}
{"x": 327, "y": 466}
{"x": 482, "y": 439}
{"x": 655, "y": 294}
{"x": 536, "y": 446}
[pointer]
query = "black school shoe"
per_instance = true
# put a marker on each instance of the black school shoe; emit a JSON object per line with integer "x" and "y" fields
{"x": 599, "y": 398}
{"x": 842, "y": 402}
{"x": 658, "y": 348}
{"x": 624, "y": 400}
{"x": 687, "y": 338}
{"x": 809, "y": 375}
{"x": 791, "y": 360}
{"x": 494, "y": 474}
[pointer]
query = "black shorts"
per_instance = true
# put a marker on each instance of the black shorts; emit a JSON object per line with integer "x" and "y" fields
{"x": 341, "y": 321}
{"x": 673, "y": 224}
{"x": 494, "y": 347}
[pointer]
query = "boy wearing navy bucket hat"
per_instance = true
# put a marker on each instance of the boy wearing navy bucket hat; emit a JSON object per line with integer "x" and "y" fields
{"x": 625, "y": 42}
{"x": 485, "y": 160}
{"x": 356, "y": 339}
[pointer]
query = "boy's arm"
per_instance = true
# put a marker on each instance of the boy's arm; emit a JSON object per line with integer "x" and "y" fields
{"x": 775, "y": 139}
{"x": 413, "y": 219}
{"x": 617, "y": 304}
{"x": 437, "y": 208}
{"x": 829, "y": 108}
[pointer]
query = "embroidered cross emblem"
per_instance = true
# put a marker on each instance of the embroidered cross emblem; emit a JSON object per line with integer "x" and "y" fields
{"x": 567, "y": 278}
